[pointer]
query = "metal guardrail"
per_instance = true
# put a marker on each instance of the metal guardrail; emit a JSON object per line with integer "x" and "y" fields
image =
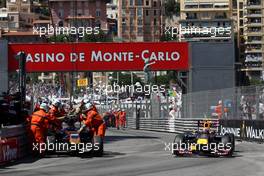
{"x": 11, "y": 131}
{"x": 131, "y": 123}
{"x": 248, "y": 130}
{"x": 170, "y": 125}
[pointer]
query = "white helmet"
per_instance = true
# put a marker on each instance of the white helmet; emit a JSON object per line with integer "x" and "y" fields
{"x": 56, "y": 103}
{"x": 88, "y": 106}
{"x": 86, "y": 101}
{"x": 44, "y": 106}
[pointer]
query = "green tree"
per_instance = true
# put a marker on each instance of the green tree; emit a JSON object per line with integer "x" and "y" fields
{"x": 163, "y": 80}
{"x": 166, "y": 79}
{"x": 100, "y": 37}
{"x": 2, "y": 3}
{"x": 89, "y": 38}
{"x": 125, "y": 78}
{"x": 172, "y": 8}
{"x": 61, "y": 38}
{"x": 45, "y": 11}
{"x": 255, "y": 81}
{"x": 168, "y": 37}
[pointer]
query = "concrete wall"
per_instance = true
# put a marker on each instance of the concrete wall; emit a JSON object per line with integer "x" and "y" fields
{"x": 212, "y": 66}
{"x": 3, "y": 66}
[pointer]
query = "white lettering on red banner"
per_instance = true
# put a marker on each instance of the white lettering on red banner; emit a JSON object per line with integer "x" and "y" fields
{"x": 101, "y": 56}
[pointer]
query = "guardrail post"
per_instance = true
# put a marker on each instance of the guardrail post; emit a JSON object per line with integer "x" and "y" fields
{"x": 257, "y": 101}
{"x": 137, "y": 117}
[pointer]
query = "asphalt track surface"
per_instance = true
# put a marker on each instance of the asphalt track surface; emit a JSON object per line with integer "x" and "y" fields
{"x": 132, "y": 152}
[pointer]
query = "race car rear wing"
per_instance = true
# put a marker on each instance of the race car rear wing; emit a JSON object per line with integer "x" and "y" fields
{"x": 210, "y": 124}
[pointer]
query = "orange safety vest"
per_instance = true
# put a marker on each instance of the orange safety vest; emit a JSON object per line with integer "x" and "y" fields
{"x": 40, "y": 118}
{"x": 93, "y": 119}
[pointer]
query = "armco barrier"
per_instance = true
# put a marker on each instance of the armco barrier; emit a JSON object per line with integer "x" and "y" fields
{"x": 13, "y": 143}
{"x": 250, "y": 130}
{"x": 131, "y": 123}
{"x": 169, "y": 125}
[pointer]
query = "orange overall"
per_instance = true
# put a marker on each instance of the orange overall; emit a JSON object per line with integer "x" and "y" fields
{"x": 39, "y": 125}
{"x": 95, "y": 122}
{"x": 54, "y": 114}
{"x": 117, "y": 119}
{"x": 123, "y": 119}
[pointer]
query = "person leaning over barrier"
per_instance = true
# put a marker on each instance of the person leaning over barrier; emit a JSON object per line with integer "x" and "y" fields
{"x": 56, "y": 114}
{"x": 93, "y": 121}
{"x": 40, "y": 121}
{"x": 78, "y": 110}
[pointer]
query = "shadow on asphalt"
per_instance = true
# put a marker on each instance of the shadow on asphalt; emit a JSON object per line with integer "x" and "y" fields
{"x": 31, "y": 159}
{"x": 28, "y": 159}
{"x": 236, "y": 154}
{"x": 107, "y": 154}
{"x": 109, "y": 139}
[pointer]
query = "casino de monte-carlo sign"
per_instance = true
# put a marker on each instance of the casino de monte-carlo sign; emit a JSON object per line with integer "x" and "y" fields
{"x": 59, "y": 57}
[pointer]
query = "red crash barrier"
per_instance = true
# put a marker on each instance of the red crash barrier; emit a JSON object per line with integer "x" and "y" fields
{"x": 14, "y": 143}
{"x": 9, "y": 150}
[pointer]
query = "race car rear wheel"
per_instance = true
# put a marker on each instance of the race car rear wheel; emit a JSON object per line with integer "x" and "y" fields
{"x": 178, "y": 140}
{"x": 98, "y": 146}
{"x": 226, "y": 141}
{"x": 232, "y": 138}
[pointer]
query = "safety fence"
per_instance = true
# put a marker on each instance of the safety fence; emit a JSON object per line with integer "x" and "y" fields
{"x": 13, "y": 143}
{"x": 170, "y": 125}
{"x": 230, "y": 103}
{"x": 146, "y": 108}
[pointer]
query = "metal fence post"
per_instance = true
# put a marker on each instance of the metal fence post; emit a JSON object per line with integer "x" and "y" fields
{"x": 190, "y": 105}
{"x": 222, "y": 107}
{"x": 237, "y": 112}
{"x": 257, "y": 93}
{"x": 137, "y": 117}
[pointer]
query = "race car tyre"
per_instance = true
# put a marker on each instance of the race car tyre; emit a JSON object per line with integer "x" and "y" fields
{"x": 226, "y": 141}
{"x": 50, "y": 140}
{"x": 74, "y": 153}
{"x": 232, "y": 138}
{"x": 98, "y": 146}
{"x": 176, "y": 144}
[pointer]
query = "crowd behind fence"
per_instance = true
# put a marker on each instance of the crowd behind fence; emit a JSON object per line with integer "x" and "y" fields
{"x": 231, "y": 103}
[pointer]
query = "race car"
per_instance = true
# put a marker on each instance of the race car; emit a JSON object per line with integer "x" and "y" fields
{"x": 71, "y": 141}
{"x": 204, "y": 142}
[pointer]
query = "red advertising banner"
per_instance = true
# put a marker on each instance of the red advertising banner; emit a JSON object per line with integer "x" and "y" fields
{"x": 100, "y": 56}
{"x": 8, "y": 150}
